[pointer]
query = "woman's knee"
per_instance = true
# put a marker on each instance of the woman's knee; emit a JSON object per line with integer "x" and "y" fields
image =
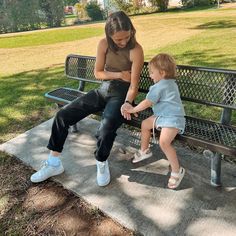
{"x": 63, "y": 119}
{"x": 108, "y": 127}
{"x": 61, "y": 114}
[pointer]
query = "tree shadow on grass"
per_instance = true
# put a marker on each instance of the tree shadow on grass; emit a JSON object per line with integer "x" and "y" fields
{"x": 22, "y": 101}
{"x": 206, "y": 58}
{"x": 221, "y": 24}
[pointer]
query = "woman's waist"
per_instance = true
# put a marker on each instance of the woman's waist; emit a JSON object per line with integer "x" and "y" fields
{"x": 116, "y": 82}
{"x": 114, "y": 88}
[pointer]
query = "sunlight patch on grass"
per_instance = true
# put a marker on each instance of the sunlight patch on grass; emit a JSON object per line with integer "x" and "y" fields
{"x": 26, "y": 106}
{"x": 3, "y": 202}
{"x": 204, "y": 50}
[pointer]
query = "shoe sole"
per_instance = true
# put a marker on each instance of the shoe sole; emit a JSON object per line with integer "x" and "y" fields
{"x": 39, "y": 181}
{"x": 146, "y": 157}
{"x": 104, "y": 184}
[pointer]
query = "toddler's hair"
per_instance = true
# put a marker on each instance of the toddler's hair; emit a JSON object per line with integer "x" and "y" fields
{"x": 164, "y": 62}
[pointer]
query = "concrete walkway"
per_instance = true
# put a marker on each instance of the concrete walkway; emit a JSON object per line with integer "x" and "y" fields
{"x": 137, "y": 196}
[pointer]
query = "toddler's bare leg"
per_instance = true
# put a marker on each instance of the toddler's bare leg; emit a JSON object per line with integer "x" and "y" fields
{"x": 146, "y": 129}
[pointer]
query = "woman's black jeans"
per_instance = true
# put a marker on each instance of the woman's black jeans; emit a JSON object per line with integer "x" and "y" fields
{"x": 108, "y": 98}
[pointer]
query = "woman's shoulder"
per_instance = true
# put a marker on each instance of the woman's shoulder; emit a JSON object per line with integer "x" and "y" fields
{"x": 102, "y": 44}
{"x": 137, "y": 51}
{"x": 137, "y": 47}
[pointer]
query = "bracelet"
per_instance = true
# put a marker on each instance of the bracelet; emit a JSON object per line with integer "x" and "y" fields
{"x": 127, "y": 101}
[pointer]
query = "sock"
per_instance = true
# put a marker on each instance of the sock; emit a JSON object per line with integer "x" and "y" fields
{"x": 53, "y": 161}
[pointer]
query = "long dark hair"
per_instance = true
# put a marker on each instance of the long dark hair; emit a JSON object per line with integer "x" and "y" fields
{"x": 119, "y": 21}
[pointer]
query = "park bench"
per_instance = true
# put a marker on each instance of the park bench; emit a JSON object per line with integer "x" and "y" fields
{"x": 198, "y": 85}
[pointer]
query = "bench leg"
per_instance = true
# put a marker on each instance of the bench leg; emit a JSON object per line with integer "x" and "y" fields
{"x": 216, "y": 170}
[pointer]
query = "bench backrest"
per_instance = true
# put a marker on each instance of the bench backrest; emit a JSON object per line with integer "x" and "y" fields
{"x": 216, "y": 87}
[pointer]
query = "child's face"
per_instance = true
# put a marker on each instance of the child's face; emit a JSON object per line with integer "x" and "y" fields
{"x": 155, "y": 74}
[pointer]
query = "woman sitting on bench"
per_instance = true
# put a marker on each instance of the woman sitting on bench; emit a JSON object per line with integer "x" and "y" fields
{"x": 119, "y": 63}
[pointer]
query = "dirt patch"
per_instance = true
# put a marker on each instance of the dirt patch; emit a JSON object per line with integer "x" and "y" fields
{"x": 46, "y": 208}
{"x": 228, "y": 5}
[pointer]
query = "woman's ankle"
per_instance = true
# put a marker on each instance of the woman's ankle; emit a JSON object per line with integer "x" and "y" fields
{"x": 54, "y": 154}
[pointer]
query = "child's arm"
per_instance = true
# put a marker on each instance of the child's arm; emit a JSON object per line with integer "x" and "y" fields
{"x": 140, "y": 107}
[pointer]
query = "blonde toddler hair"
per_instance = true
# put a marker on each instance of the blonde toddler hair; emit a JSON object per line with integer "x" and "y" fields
{"x": 164, "y": 62}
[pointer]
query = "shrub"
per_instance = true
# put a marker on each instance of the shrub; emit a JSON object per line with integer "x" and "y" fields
{"x": 94, "y": 11}
{"x": 191, "y": 3}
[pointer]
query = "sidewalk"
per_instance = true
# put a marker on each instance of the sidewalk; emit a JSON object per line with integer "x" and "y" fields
{"x": 137, "y": 196}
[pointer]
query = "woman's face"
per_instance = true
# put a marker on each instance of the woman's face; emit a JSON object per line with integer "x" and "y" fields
{"x": 121, "y": 38}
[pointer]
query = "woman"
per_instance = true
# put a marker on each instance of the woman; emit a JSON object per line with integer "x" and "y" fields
{"x": 118, "y": 64}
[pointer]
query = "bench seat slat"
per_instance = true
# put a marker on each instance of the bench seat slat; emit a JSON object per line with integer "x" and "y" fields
{"x": 64, "y": 95}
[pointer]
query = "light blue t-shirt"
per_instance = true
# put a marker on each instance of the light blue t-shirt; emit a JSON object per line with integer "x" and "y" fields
{"x": 166, "y": 99}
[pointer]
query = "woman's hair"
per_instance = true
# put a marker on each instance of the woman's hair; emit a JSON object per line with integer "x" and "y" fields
{"x": 164, "y": 62}
{"x": 119, "y": 21}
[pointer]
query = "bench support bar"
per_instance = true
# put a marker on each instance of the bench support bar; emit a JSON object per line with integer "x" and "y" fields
{"x": 216, "y": 170}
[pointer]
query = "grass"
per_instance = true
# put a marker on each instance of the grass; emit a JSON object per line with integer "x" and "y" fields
{"x": 205, "y": 49}
{"x": 27, "y": 106}
{"x": 49, "y": 37}
{"x": 201, "y": 38}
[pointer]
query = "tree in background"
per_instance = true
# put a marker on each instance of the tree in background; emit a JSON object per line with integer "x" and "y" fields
{"x": 81, "y": 11}
{"x": 22, "y": 15}
{"x": 192, "y": 3}
{"x": 162, "y": 4}
{"x": 19, "y": 15}
{"x": 54, "y": 12}
{"x": 94, "y": 11}
{"x": 71, "y": 2}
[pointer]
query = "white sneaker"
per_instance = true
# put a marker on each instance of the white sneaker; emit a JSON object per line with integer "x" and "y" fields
{"x": 46, "y": 172}
{"x": 142, "y": 155}
{"x": 103, "y": 173}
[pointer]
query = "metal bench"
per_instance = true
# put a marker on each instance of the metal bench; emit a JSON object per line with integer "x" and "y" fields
{"x": 207, "y": 86}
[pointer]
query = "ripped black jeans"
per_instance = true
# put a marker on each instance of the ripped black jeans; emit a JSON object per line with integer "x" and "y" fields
{"x": 108, "y": 98}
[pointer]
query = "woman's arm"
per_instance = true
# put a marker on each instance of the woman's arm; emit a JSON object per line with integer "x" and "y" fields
{"x": 100, "y": 63}
{"x": 137, "y": 58}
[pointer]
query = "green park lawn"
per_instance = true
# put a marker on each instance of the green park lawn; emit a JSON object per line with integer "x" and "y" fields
{"x": 199, "y": 38}
{"x": 45, "y": 37}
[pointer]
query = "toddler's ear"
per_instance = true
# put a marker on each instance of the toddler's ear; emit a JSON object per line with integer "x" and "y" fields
{"x": 162, "y": 73}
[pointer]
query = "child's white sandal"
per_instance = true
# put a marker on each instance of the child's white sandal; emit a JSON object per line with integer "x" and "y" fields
{"x": 176, "y": 178}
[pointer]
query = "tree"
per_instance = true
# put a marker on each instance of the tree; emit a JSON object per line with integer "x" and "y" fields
{"x": 70, "y": 2}
{"x": 94, "y": 11}
{"x": 21, "y": 15}
{"x": 163, "y": 4}
{"x": 54, "y": 12}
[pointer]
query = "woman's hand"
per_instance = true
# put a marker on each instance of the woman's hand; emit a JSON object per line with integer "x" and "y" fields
{"x": 126, "y": 110}
{"x": 126, "y": 76}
